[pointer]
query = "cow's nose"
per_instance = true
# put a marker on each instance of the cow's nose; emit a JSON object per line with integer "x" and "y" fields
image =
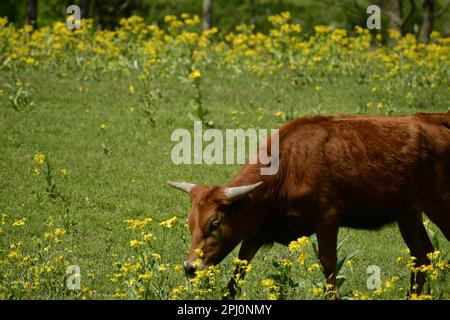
{"x": 189, "y": 269}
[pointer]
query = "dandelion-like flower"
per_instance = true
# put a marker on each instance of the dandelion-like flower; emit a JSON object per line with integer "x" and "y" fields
{"x": 135, "y": 243}
{"x": 39, "y": 158}
{"x": 64, "y": 172}
{"x": 195, "y": 74}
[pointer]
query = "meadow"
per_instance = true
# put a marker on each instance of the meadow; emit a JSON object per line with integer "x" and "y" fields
{"x": 86, "y": 120}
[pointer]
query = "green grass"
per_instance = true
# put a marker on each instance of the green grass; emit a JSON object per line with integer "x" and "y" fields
{"x": 128, "y": 181}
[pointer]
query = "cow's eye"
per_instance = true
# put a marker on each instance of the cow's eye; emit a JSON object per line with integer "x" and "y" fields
{"x": 214, "y": 224}
{"x": 212, "y": 227}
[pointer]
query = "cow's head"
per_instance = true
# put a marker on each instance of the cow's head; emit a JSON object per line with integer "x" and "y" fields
{"x": 216, "y": 220}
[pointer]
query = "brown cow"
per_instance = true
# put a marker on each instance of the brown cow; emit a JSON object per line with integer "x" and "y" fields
{"x": 354, "y": 171}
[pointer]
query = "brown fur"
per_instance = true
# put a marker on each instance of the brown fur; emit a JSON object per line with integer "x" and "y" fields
{"x": 355, "y": 171}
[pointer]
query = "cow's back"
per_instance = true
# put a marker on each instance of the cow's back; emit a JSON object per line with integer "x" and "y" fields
{"x": 374, "y": 167}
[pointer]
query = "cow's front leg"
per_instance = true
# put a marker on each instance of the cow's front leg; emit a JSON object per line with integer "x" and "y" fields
{"x": 327, "y": 232}
{"x": 246, "y": 252}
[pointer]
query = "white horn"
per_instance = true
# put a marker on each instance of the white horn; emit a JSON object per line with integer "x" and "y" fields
{"x": 182, "y": 185}
{"x": 235, "y": 193}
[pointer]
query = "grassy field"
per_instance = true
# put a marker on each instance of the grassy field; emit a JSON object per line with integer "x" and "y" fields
{"x": 91, "y": 153}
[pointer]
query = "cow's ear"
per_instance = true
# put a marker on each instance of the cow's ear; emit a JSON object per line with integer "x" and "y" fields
{"x": 235, "y": 193}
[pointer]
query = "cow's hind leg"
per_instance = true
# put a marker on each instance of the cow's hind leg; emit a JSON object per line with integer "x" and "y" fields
{"x": 419, "y": 244}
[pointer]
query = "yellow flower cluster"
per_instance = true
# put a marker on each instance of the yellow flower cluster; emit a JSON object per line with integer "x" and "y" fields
{"x": 19, "y": 222}
{"x": 329, "y": 50}
{"x": 137, "y": 224}
{"x": 300, "y": 243}
{"x": 168, "y": 223}
{"x": 29, "y": 267}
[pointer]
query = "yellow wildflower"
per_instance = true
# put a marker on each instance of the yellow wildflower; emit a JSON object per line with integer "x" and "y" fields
{"x": 199, "y": 252}
{"x": 195, "y": 74}
{"x": 286, "y": 262}
{"x": 145, "y": 277}
{"x": 317, "y": 291}
{"x": 168, "y": 223}
{"x": 322, "y": 29}
{"x": 148, "y": 237}
{"x": 138, "y": 224}
{"x": 178, "y": 267}
{"x": 434, "y": 255}
{"x": 134, "y": 244}
{"x": 169, "y": 18}
{"x": 163, "y": 267}
{"x": 298, "y": 244}
{"x": 14, "y": 254}
{"x": 315, "y": 266}
{"x": 48, "y": 235}
{"x": 59, "y": 231}
{"x": 39, "y": 158}
{"x": 156, "y": 255}
{"x": 19, "y": 223}
{"x": 272, "y": 296}
{"x": 415, "y": 296}
{"x": 268, "y": 283}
